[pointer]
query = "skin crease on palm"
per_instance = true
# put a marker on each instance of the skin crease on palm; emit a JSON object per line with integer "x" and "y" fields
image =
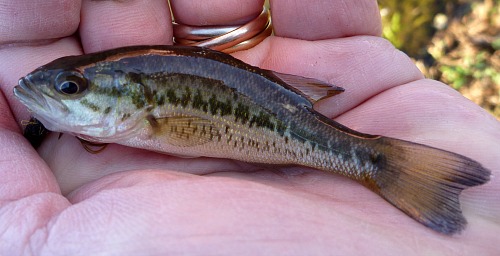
{"x": 61, "y": 200}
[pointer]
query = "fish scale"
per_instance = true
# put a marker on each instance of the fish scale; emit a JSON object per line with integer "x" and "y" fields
{"x": 247, "y": 131}
{"x": 191, "y": 101}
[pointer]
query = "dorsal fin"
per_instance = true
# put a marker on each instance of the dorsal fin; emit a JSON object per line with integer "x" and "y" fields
{"x": 312, "y": 89}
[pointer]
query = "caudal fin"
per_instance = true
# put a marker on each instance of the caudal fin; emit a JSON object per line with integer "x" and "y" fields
{"x": 425, "y": 182}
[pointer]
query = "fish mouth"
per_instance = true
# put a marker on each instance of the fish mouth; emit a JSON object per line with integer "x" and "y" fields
{"x": 30, "y": 97}
{"x": 43, "y": 107}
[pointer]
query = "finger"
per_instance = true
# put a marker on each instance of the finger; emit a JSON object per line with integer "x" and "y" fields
{"x": 29, "y": 194}
{"x": 240, "y": 213}
{"x": 363, "y": 66}
{"x": 74, "y": 167}
{"x": 27, "y": 187}
{"x": 35, "y": 20}
{"x": 432, "y": 113}
{"x": 410, "y": 112}
{"x": 26, "y": 21}
{"x": 23, "y": 172}
{"x": 325, "y": 19}
{"x": 111, "y": 24}
{"x": 220, "y": 12}
{"x": 16, "y": 62}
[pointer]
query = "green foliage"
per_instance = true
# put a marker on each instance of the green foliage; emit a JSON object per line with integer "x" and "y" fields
{"x": 408, "y": 24}
{"x": 463, "y": 53}
{"x": 496, "y": 44}
{"x": 393, "y": 29}
{"x": 472, "y": 67}
{"x": 457, "y": 75}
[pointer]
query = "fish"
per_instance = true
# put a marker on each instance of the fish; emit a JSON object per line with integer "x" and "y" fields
{"x": 196, "y": 102}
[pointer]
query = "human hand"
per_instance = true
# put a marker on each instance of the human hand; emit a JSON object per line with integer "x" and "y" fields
{"x": 63, "y": 200}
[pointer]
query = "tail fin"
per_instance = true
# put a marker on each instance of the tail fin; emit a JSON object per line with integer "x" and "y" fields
{"x": 425, "y": 182}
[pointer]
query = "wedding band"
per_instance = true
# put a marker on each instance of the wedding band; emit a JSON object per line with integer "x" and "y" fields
{"x": 227, "y": 39}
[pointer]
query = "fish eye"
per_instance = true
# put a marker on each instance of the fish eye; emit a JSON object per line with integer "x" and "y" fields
{"x": 70, "y": 83}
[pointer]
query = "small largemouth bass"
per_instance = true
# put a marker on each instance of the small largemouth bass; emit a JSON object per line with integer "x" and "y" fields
{"x": 197, "y": 102}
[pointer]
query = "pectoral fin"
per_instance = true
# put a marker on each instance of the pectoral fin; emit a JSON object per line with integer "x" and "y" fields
{"x": 184, "y": 131}
{"x": 311, "y": 88}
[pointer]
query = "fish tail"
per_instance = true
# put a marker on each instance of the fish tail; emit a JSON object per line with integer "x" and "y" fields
{"x": 424, "y": 182}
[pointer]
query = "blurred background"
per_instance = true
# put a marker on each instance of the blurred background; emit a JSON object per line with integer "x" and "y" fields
{"x": 454, "y": 41}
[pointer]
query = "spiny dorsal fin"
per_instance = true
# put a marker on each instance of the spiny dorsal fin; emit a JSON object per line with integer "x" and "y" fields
{"x": 183, "y": 130}
{"x": 311, "y": 88}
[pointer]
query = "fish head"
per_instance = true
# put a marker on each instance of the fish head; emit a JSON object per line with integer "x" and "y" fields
{"x": 91, "y": 101}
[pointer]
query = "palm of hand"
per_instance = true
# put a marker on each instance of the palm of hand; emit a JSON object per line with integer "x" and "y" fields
{"x": 164, "y": 203}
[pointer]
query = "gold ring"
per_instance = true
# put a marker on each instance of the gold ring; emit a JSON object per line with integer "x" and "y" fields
{"x": 226, "y": 39}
